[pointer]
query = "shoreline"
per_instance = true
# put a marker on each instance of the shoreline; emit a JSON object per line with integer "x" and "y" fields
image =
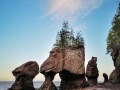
{"x": 99, "y": 86}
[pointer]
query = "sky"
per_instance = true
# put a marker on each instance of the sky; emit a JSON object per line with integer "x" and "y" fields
{"x": 28, "y": 30}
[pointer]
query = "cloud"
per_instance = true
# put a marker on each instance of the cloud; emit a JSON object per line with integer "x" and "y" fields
{"x": 81, "y": 27}
{"x": 62, "y": 9}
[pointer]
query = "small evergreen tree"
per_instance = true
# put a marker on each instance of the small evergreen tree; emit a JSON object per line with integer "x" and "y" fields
{"x": 79, "y": 41}
{"x": 65, "y": 38}
{"x": 71, "y": 38}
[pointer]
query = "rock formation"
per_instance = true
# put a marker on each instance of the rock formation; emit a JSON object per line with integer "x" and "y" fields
{"x": 105, "y": 78}
{"x": 116, "y": 59}
{"x": 50, "y": 68}
{"x": 48, "y": 84}
{"x": 92, "y": 71}
{"x": 70, "y": 66}
{"x": 73, "y": 72}
{"x": 24, "y": 75}
{"x": 113, "y": 77}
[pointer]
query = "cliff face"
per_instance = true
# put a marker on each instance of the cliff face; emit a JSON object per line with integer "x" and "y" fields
{"x": 70, "y": 66}
{"x": 74, "y": 61}
{"x": 115, "y": 75}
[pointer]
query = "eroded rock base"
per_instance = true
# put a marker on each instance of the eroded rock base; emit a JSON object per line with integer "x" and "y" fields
{"x": 48, "y": 83}
{"x": 71, "y": 81}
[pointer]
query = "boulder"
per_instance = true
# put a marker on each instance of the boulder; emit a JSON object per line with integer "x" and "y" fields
{"x": 69, "y": 63}
{"x": 24, "y": 75}
{"x": 92, "y": 72}
{"x": 105, "y": 78}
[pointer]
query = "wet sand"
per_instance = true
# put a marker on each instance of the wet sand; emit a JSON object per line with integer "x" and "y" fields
{"x": 103, "y": 87}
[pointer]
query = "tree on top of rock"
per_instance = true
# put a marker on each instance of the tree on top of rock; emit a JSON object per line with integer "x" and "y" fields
{"x": 113, "y": 39}
{"x": 65, "y": 38}
{"x": 79, "y": 41}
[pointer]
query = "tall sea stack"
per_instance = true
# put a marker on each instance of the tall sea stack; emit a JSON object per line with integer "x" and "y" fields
{"x": 69, "y": 63}
{"x": 92, "y": 72}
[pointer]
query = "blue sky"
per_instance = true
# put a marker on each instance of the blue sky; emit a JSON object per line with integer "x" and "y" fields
{"x": 28, "y": 30}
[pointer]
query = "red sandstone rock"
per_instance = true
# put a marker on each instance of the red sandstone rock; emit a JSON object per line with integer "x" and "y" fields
{"x": 48, "y": 83}
{"x": 105, "y": 77}
{"x": 53, "y": 63}
{"x": 70, "y": 66}
{"x": 72, "y": 60}
{"x": 113, "y": 77}
{"x": 24, "y": 75}
{"x": 92, "y": 71}
{"x": 116, "y": 59}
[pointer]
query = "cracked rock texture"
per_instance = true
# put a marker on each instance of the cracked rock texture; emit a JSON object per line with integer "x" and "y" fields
{"x": 24, "y": 76}
{"x": 69, "y": 63}
{"x": 92, "y": 72}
